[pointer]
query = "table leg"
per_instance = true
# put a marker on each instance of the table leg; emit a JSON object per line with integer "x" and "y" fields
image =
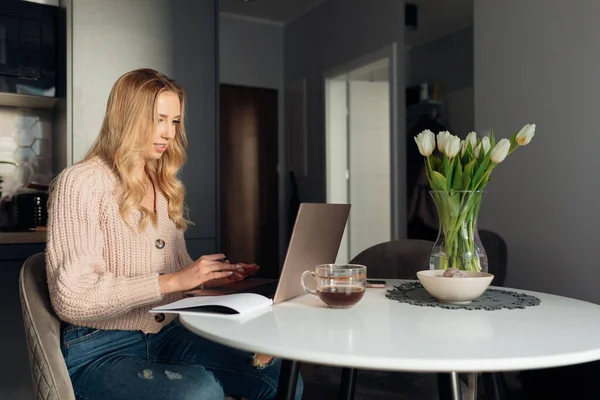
{"x": 348, "y": 384}
{"x": 288, "y": 379}
{"x": 449, "y": 386}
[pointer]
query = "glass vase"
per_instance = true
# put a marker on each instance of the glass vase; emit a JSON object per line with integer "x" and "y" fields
{"x": 458, "y": 244}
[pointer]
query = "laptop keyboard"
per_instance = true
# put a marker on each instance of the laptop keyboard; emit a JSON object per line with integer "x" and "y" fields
{"x": 266, "y": 289}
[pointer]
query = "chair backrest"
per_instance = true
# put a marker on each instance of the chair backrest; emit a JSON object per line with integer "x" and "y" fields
{"x": 397, "y": 259}
{"x": 402, "y": 259}
{"x": 497, "y": 253}
{"x": 42, "y": 329}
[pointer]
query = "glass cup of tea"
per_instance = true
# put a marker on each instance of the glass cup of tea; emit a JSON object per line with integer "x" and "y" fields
{"x": 338, "y": 285}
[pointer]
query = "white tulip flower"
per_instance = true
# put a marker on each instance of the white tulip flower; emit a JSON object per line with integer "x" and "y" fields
{"x": 472, "y": 138}
{"x": 452, "y": 146}
{"x": 526, "y": 134}
{"x": 441, "y": 139}
{"x": 463, "y": 147}
{"x": 483, "y": 145}
{"x": 500, "y": 151}
{"x": 426, "y": 142}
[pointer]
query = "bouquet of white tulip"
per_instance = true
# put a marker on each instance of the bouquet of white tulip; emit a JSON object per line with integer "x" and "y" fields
{"x": 457, "y": 176}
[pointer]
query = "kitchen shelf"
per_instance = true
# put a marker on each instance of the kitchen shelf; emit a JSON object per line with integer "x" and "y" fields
{"x": 22, "y": 237}
{"x": 27, "y": 101}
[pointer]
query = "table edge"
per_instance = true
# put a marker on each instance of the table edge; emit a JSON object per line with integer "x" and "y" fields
{"x": 409, "y": 364}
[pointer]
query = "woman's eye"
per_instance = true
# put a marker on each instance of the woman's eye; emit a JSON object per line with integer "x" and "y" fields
{"x": 176, "y": 122}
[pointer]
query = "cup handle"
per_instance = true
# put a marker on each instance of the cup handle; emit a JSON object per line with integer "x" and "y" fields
{"x": 307, "y": 290}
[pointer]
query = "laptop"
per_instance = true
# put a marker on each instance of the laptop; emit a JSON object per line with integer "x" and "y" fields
{"x": 315, "y": 240}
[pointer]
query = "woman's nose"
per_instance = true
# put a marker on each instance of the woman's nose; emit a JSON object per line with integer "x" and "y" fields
{"x": 168, "y": 133}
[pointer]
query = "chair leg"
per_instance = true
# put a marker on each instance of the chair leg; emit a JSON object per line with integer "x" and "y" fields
{"x": 288, "y": 379}
{"x": 347, "y": 384}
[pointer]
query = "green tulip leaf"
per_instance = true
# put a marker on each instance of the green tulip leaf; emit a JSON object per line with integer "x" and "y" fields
{"x": 513, "y": 142}
{"x": 457, "y": 179}
{"x": 438, "y": 182}
{"x": 468, "y": 175}
{"x": 480, "y": 170}
{"x": 450, "y": 173}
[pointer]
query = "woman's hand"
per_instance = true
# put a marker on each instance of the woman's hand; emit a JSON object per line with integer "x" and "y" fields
{"x": 242, "y": 272}
{"x": 204, "y": 269}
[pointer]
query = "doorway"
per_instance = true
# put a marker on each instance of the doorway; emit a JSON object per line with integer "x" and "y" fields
{"x": 358, "y": 148}
{"x": 248, "y": 189}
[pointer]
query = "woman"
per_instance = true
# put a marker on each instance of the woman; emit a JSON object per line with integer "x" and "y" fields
{"x": 116, "y": 249}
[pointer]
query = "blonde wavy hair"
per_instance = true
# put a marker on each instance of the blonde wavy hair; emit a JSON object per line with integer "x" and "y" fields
{"x": 127, "y": 131}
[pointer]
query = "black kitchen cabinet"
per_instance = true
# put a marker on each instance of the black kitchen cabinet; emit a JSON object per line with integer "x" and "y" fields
{"x": 15, "y": 373}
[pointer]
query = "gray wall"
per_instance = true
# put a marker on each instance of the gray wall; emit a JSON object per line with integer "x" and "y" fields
{"x": 334, "y": 34}
{"x": 111, "y": 37}
{"x": 536, "y": 61}
{"x": 447, "y": 61}
{"x": 251, "y": 54}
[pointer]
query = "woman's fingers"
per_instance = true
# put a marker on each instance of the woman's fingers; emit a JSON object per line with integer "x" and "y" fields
{"x": 219, "y": 274}
{"x": 213, "y": 257}
{"x": 222, "y": 267}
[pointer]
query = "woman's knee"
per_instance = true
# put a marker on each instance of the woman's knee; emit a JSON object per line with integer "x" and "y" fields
{"x": 202, "y": 387}
{"x": 205, "y": 392}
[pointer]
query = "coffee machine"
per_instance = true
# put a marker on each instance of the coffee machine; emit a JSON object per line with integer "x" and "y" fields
{"x": 25, "y": 211}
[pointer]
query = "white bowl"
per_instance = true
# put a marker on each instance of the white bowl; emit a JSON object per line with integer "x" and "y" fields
{"x": 454, "y": 290}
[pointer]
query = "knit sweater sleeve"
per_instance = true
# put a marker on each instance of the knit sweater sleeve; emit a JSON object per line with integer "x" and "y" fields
{"x": 81, "y": 288}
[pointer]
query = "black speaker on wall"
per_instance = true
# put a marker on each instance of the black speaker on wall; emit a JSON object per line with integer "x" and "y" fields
{"x": 410, "y": 16}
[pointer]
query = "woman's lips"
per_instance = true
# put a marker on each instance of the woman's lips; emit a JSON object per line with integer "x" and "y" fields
{"x": 160, "y": 147}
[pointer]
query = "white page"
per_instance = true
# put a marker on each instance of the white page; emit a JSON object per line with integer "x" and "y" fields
{"x": 240, "y": 302}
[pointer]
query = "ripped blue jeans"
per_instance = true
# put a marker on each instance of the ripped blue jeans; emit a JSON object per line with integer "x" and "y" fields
{"x": 171, "y": 364}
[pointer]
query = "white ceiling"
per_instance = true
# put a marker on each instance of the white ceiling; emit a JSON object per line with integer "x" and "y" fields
{"x": 279, "y": 11}
{"x": 436, "y": 18}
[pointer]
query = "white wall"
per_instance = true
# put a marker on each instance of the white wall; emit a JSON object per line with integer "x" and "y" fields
{"x": 251, "y": 54}
{"x": 337, "y": 151}
{"x": 334, "y": 34}
{"x": 369, "y": 160}
{"x": 537, "y": 61}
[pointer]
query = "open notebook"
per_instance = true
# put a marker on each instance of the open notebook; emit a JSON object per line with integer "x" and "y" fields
{"x": 237, "y": 306}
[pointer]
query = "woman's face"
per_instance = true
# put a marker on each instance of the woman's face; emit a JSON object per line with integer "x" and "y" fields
{"x": 168, "y": 110}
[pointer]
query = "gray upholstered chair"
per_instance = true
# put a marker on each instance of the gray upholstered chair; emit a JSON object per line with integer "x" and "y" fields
{"x": 42, "y": 329}
{"x": 497, "y": 253}
{"x": 397, "y": 259}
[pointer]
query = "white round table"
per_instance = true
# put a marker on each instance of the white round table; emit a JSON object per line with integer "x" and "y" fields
{"x": 383, "y": 334}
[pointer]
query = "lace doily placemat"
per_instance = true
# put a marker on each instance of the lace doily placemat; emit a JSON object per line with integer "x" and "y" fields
{"x": 492, "y": 299}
